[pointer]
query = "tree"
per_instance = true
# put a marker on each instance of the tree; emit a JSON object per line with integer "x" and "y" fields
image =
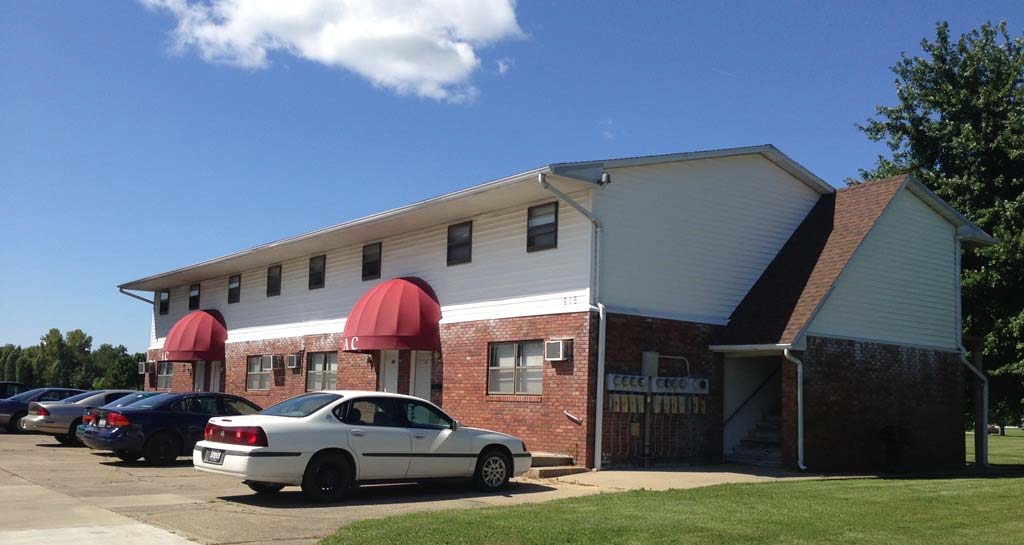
{"x": 958, "y": 126}
{"x": 116, "y": 367}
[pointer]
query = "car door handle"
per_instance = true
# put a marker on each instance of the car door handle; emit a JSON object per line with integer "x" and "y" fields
{"x": 419, "y": 436}
{"x": 357, "y": 433}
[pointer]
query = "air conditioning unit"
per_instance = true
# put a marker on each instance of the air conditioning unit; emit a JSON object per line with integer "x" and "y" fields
{"x": 558, "y": 350}
{"x": 142, "y": 367}
{"x": 294, "y": 360}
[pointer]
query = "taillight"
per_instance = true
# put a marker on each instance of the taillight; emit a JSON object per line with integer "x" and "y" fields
{"x": 117, "y": 420}
{"x": 38, "y": 410}
{"x": 250, "y": 436}
{"x": 88, "y": 418}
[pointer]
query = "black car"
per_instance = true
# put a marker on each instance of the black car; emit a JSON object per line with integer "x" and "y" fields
{"x": 14, "y": 408}
{"x": 162, "y": 427}
{"x": 8, "y": 389}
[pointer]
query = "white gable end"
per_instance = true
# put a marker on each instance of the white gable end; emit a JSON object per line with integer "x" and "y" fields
{"x": 901, "y": 285}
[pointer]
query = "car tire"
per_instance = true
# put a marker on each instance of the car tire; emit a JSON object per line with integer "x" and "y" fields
{"x": 65, "y": 440}
{"x": 493, "y": 470}
{"x": 14, "y": 425}
{"x": 326, "y": 478}
{"x": 72, "y": 434}
{"x": 264, "y": 489}
{"x": 162, "y": 449}
{"x": 127, "y": 456}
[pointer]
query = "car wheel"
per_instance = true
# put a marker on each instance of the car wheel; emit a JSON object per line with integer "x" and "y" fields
{"x": 127, "y": 456}
{"x": 72, "y": 434}
{"x": 162, "y": 449}
{"x": 264, "y": 488}
{"x": 326, "y": 478}
{"x": 64, "y": 440}
{"x": 493, "y": 470}
{"x": 14, "y": 425}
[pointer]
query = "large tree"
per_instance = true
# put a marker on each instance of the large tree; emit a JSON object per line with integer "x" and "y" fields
{"x": 958, "y": 126}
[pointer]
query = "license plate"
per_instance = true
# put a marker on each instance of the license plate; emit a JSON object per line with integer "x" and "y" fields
{"x": 213, "y": 456}
{"x": 101, "y": 423}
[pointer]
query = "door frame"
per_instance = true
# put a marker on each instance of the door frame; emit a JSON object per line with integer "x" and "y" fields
{"x": 413, "y": 373}
{"x": 199, "y": 382}
{"x": 215, "y": 370}
{"x": 383, "y": 378}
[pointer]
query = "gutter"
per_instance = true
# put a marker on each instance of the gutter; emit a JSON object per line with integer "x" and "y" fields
{"x": 595, "y": 258}
{"x": 981, "y": 457}
{"x": 133, "y": 296}
{"x": 799, "y": 407}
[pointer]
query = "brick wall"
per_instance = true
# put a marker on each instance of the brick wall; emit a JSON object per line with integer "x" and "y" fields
{"x": 539, "y": 420}
{"x": 690, "y": 438}
{"x": 856, "y": 392}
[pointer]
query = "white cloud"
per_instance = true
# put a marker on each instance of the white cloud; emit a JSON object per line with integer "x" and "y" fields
{"x": 422, "y": 47}
{"x": 504, "y": 65}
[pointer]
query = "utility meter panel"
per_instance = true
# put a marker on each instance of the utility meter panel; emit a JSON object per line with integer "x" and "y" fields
{"x": 627, "y": 383}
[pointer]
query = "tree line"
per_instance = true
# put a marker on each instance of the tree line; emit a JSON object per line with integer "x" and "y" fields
{"x": 68, "y": 360}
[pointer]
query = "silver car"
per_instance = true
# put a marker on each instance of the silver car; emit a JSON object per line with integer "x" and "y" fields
{"x": 61, "y": 418}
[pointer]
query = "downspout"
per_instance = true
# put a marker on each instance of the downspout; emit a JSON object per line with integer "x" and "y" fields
{"x": 132, "y": 295}
{"x": 595, "y": 259}
{"x": 799, "y": 406}
{"x": 980, "y": 458}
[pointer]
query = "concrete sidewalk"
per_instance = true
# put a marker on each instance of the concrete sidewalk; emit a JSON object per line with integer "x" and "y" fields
{"x": 681, "y": 477}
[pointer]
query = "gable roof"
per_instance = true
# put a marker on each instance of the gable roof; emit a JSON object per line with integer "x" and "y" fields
{"x": 781, "y": 304}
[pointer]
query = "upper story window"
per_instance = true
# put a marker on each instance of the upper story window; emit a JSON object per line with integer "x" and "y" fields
{"x": 317, "y": 271}
{"x": 165, "y": 301}
{"x": 234, "y": 288}
{"x": 542, "y": 227}
{"x": 515, "y": 368}
{"x": 193, "y": 297}
{"x": 371, "y": 261}
{"x": 273, "y": 280}
{"x": 460, "y": 243}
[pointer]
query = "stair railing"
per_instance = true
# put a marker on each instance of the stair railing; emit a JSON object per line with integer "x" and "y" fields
{"x": 751, "y": 396}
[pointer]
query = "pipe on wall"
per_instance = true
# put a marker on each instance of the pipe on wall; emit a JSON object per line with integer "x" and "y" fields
{"x": 981, "y": 457}
{"x": 799, "y": 406}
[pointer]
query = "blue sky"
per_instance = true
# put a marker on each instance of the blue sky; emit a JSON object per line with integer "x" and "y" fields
{"x": 122, "y": 155}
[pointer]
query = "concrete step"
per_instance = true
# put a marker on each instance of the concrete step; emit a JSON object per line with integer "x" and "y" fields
{"x": 754, "y": 461}
{"x": 756, "y": 452}
{"x": 550, "y": 472}
{"x": 547, "y": 459}
{"x": 754, "y": 443}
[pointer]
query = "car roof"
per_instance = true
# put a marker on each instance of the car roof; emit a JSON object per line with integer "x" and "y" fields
{"x": 364, "y": 393}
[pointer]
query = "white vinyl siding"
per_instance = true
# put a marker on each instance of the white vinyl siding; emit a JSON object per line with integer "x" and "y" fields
{"x": 901, "y": 285}
{"x": 503, "y": 279}
{"x": 687, "y": 240}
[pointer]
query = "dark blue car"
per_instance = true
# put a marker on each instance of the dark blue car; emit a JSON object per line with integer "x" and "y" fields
{"x": 89, "y": 419}
{"x": 162, "y": 427}
{"x": 14, "y": 408}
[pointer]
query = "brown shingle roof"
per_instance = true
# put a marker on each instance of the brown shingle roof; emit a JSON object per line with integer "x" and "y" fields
{"x": 787, "y": 295}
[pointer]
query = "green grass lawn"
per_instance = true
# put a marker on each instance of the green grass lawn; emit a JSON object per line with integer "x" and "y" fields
{"x": 1002, "y": 450}
{"x": 848, "y": 512}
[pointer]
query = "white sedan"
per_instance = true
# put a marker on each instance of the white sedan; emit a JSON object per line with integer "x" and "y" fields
{"x": 328, "y": 441}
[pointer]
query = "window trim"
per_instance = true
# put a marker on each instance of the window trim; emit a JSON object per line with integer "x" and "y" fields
{"x": 468, "y": 243}
{"x": 280, "y": 273}
{"x": 323, "y": 277}
{"x": 261, "y": 373}
{"x": 310, "y": 372}
{"x": 198, "y": 296}
{"x": 236, "y": 296}
{"x": 515, "y": 367}
{"x": 380, "y": 261}
{"x": 163, "y": 305}
{"x": 554, "y": 244}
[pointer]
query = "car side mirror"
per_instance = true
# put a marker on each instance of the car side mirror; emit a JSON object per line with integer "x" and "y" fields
{"x": 456, "y": 425}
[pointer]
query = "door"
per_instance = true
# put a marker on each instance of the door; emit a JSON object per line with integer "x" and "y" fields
{"x": 199, "y": 376}
{"x": 378, "y": 437}
{"x": 388, "y": 381}
{"x": 419, "y": 377}
{"x": 437, "y": 451}
{"x": 216, "y": 368}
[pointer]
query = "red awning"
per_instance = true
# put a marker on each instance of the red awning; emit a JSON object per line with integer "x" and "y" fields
{"x": 200, "y": 335}
{"x": 398, "y": 314}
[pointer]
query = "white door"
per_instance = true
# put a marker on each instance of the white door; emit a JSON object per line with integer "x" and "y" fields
{"x": 419, "y": 376}
{"x": 376, "y": 435}
{"x": 215, "y": 370}
{"x": 199, "y": 376}
{"x": 388, "y": 371}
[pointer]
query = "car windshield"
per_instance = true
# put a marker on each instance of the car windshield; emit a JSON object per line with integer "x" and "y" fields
{"x": 153, "y": 401}
{"x": 300, "y": 406}
{"x": 25, "y": 396}
{"x": 79, "y": 397}
{"x": 130, "y": 398}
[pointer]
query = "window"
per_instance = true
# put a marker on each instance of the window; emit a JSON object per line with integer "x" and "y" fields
{"x": 164, "y": 370}
{"x": 301, "y": 405}
{"x": 372, "y": 412}
{"x": 257, "y": 372}
{"x": 516, "y": 368}
{"x": 234, "y": 406}
{"x": 420, "y": 415}
{"x": 371, "y": 261}
{"x": 53, "y": 395}
{"x": 234, "y": 288}
{"x": 165, "y": 301}
{"x": 460, "y": 243}
{"x": 196, "y": 405}
{"x": 273, "y": 281}
{"x": 193, "y": 297}
{"x": 317, "y": 271}
{"x": 321, "y": 371}
{"x": 542, "y": 227}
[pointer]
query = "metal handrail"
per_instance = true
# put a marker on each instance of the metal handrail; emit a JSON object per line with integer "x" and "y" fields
{"x": 752, "y": 394}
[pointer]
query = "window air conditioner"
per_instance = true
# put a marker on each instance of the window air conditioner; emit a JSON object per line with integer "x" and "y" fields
{"x": 558, "y": 350}
{"x": 293, "y": 360}
{"x": 142, "y": 368}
